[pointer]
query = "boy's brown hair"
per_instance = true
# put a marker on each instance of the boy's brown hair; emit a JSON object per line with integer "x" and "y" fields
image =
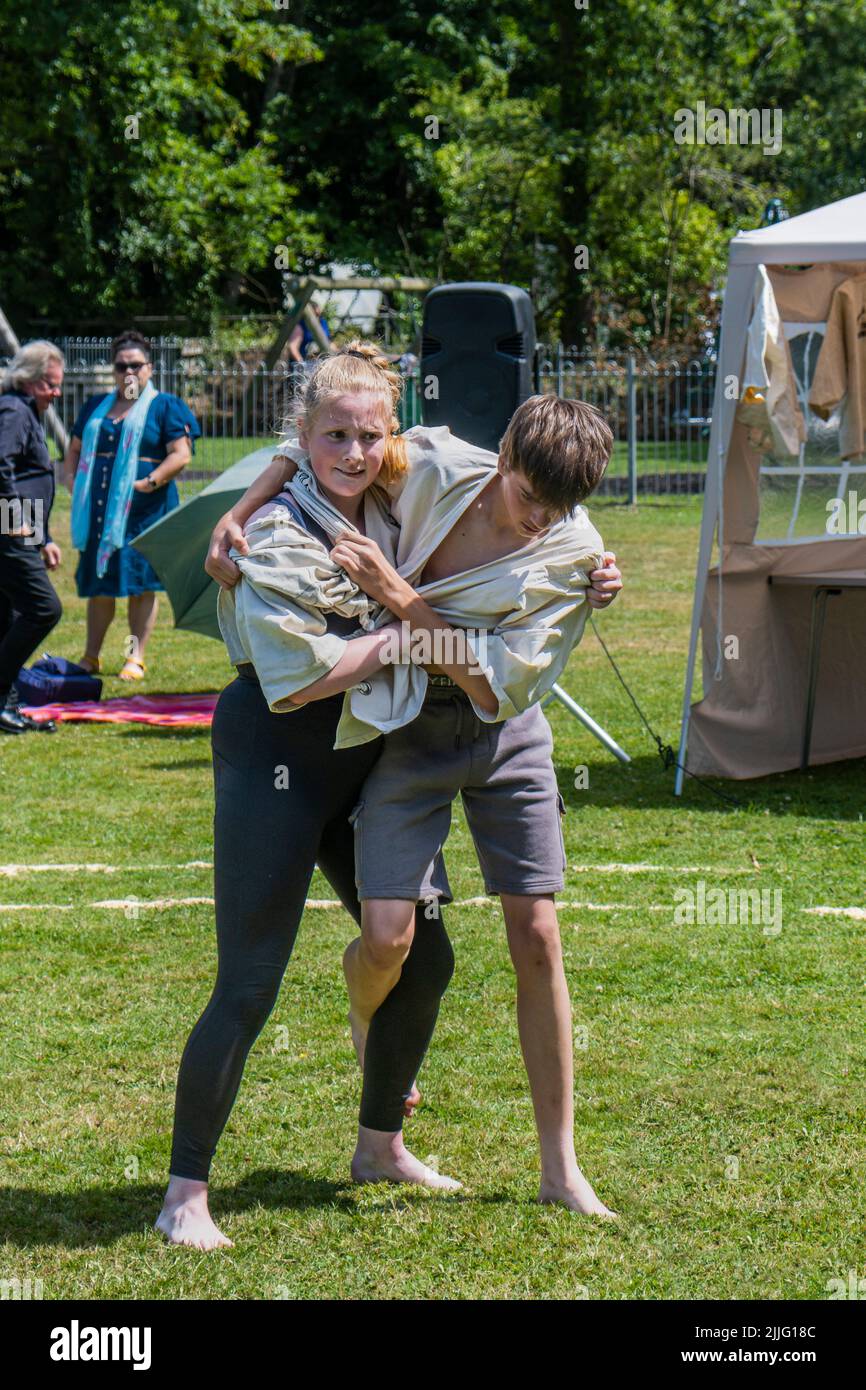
{"x": 562, "y": 446}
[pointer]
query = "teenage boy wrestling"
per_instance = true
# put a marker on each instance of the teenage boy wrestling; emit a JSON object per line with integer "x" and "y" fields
{"x": 499, "y": 548}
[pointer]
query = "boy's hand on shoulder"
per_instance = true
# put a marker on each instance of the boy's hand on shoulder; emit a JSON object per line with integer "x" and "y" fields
{"x": 605, "y": 583}
{"x": 228, "y": 534}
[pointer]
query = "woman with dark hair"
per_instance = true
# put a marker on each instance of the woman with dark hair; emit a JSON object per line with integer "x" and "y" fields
{"x": 127, "y": 447}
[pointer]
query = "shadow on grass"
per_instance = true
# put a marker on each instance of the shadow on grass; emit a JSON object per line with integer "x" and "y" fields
{"x": 101, "y": 1215}
{"x": 833, "y": 791}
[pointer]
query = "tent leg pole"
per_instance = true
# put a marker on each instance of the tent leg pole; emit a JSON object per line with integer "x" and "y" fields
{"x": 708, "y": 527}
{"x": 736, "y": 310}
{"x": 819, "y": 607}
{"x": 604, "y": 738}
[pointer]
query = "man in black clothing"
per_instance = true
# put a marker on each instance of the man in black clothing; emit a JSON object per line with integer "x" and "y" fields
{"x": 29, "y": 605}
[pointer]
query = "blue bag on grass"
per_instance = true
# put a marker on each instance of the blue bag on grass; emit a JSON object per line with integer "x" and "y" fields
{"x": 53, "y": 680}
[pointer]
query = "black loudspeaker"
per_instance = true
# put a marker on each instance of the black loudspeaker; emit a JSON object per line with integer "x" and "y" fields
{"x": 477, "y": 353}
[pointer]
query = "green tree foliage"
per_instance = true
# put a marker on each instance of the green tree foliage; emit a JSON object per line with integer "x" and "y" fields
{"x": 134, "y": 175}
{"x": 458, "y": 139}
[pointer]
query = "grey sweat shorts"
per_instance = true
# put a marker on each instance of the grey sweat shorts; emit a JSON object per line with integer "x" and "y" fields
{"x": 504, "y": 773}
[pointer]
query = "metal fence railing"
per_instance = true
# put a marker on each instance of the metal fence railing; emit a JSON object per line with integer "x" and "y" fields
{"x": 659, "y": 411}
{"x": 241, "y": 405}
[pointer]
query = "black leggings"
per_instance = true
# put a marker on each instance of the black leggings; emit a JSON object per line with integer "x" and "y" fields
{"x": 267, "y": 839}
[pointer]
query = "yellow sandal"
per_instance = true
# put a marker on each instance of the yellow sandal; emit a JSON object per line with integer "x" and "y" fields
{"x": 91, "y": 664}
{"x": 132, "y": 669}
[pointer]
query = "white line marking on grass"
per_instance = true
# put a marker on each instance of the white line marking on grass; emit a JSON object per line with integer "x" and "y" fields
{"x": 124, "y": 904}
{"x": 857, "y": 913}
{"x": 652, "y": 869}
{"x": 619, "y": 907}
{"x": 16, "y": 870}
{"x": 562, "y": 903}
{"x": 113, "y": 903}
{"x": 38, "y": 907}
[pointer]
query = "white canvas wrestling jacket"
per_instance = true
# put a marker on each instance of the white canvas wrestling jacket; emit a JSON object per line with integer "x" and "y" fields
{"x": 524, "y": 612}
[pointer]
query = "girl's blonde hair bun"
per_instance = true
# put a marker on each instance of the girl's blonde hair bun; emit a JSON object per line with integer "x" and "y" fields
{"x": 359, "y": 365}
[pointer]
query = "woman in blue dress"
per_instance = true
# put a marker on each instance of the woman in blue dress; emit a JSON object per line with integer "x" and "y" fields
{"x": 127, "y": 447}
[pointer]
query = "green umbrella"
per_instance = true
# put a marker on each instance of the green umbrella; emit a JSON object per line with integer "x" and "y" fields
{"x": 177, "y": 544}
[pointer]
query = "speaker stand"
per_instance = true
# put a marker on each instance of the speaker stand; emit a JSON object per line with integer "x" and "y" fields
{"x": 604, "y": 738}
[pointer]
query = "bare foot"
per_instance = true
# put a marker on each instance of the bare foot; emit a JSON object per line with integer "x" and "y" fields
{"x": 577, "y": 1195}
{"x": 360, "y": 1028}
{"x": 185, "y": 1219}
{"x": 381, "y": 1157}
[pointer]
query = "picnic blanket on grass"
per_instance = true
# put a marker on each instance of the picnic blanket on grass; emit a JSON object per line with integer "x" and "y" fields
{"x": 134, "y": 709}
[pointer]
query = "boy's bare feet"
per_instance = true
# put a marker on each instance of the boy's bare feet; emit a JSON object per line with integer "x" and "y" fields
{"x": 412, "y": 1101}
{"x": 360, "y": 1029}
{"x": 185, "y": 1219}
{"x": 383, "y": 1157}
{"x": 576, "y": 1194}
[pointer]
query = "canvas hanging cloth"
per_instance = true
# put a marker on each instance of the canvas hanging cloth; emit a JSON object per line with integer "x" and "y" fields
{"x": 768, "y": 404}
{"x": 841, "y": 369}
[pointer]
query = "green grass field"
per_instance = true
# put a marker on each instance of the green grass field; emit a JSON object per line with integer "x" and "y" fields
{"x": 664, "y": 456}
{"x": 719, "y": 1097}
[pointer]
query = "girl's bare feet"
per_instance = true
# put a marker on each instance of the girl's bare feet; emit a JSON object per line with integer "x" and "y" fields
{"x": 383, "y": 1157}
{"x": 185, "y": 1218}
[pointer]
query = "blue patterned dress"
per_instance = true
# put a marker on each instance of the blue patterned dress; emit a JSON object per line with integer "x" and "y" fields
{"x": 129, "y": 572}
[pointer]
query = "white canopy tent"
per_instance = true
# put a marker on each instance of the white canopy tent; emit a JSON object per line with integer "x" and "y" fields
{"x": 749, "y": 722}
